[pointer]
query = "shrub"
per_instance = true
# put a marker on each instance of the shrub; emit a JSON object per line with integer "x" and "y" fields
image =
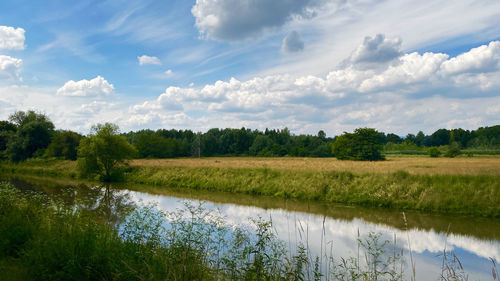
{"x": 434, "y": 152}
{"x": 363, "y": 144}
{"x": 453, "y": 150}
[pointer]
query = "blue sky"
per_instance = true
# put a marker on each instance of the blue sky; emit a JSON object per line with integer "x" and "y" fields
{"x": 398, "y": 66}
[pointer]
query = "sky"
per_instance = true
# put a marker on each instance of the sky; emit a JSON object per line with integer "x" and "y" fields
{"x": 399, "y": 66}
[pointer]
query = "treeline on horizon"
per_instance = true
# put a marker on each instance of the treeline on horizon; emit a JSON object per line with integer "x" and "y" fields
{"x": 31, "y": 134}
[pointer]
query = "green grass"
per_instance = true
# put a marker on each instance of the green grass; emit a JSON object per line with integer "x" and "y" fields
{"x": 43, "y": 239}
{"x": 461, "y": 194}
{"x": 477, "y": 195}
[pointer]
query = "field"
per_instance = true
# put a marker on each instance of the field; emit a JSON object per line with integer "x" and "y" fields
{"x": 466, "y": 186}
{"x": 412, "y": 165}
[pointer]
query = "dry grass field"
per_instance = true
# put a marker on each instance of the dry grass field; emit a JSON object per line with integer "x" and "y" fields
{"x": 413, "y": 165}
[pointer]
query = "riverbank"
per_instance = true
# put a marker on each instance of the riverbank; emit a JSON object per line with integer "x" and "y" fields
{"x": 476, "y": 193}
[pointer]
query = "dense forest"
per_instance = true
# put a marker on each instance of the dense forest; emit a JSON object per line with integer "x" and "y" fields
{"x": 31, "y": 134}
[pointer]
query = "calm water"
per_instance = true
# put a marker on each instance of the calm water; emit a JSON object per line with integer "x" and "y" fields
{"x": 322, "y": 227}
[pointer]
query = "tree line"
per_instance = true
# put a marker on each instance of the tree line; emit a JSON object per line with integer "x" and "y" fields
{"x": 29, "y": 134}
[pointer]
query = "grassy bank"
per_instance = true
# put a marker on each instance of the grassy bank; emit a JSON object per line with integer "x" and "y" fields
{"x": 476, "y": 193}
{"x": 44, "y": 239}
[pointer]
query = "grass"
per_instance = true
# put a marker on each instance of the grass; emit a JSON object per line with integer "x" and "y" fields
{"x": 410, "y": 164}
{"x": 53, "y": 241}
{"x": 45, "y": 239}
{"x": 467, "y": 186}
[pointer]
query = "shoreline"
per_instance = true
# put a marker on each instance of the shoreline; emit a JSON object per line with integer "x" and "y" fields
{"x": 470, "y": 195}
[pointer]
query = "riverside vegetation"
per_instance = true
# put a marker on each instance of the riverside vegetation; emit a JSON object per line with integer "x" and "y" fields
{"x": 469, "y": 186}
{"x": 44, "y": 238}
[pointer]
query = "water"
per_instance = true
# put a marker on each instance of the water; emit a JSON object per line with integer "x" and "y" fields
{"x": 324, "y": 228}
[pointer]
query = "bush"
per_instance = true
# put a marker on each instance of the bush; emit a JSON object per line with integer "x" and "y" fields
{"x": 453, "y": 150}
{"x": 363, "y": 144}
{"x": 434, "y": 152}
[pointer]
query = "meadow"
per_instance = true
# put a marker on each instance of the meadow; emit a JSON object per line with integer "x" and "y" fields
{"x": 466, "y": 186}
{"x": 410, "y": 164}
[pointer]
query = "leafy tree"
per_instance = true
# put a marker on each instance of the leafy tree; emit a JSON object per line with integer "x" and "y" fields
{"x": 453, "y": 150}
{"x": 363, "y": 144}
{"x": 434, "y": 152}
{"x": 393, "y": 138}
{"x": 64, "y": 145}
{"x": 154, "y": 146}
{"x": 103, "y": 152}
{"x": 7, "y": 131}
{"x": 419, "y": 138}
{"x": 260, "y": 143}
{"x": 33, "y": 134}
{"x": 440, "y": 137}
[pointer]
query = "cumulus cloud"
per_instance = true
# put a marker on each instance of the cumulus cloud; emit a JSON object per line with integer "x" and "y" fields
{"x": 484, "y": 58}
{"x": 292, "y": 43}
{"x": 11, "y": 38}
{"x": 84, "y": 88}
{"x": 412, "y": 68}
{"x": 377, "y": 49}
{"x": 148, "y": 60}
{"x": 169, "y": 72}
{"x": 234, "y": 20}
{"x": 419, "y": 89}
{"x": 9, "y": 67}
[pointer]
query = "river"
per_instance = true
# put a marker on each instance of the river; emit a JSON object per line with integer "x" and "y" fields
{"x": 326, "y": 229}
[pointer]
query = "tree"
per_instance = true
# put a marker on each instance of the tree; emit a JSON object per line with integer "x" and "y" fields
{"x": 103, "y": 152}
{"x": 33, "y": 135}
{"x": 154, "y": 146}
{"x": 363, "y": 144}
{"x": 434, "y": 152}
{"x": 453, "y": 150}
{"x": 64, "y": 145}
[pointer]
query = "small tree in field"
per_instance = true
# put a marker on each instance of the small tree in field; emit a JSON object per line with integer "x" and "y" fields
{"x": 363, "y": 144}
{"x": 434, "y": 152}
{"x": 103, "y": 152}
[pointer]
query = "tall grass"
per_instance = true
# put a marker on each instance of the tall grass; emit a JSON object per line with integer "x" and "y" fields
{"x": 43, "y": 239}
{"x": 474, "y": 194}
{"x": 460, "y": 194}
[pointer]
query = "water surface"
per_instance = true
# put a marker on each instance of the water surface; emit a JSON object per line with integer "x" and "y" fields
{"x": 326, "y": 229}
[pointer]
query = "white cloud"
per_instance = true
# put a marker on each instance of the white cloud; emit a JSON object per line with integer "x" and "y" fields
{"x": 9, "y": 67}
{"x": 412, "y": 68}
{"x": 169, "y": 72}
{"x": 11, "y": 38}
{"x": 148, "y": 60}
{"x": 234, "y": 20}
{"x": 292, "y": 43}
{"x": 485, "y": 58}
{"x": 377, "y": 49}
{"x": 421, "y": 95}
{"x": 84, "y": 88}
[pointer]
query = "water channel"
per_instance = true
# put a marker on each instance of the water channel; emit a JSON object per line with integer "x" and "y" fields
{"x": 475, "y": 241}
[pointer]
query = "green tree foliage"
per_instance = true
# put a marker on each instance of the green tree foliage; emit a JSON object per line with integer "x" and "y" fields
{"x": 154, "y": 146}
{"x": 64, "y": 145}
{"x": 7, "y": 131}
{"x": 363, "y": 144}
{"x": 33, "y": 135}
{"x": 103, "y": 152}
{"x": 434, "y": 152}
{"x": 453, "y": 150}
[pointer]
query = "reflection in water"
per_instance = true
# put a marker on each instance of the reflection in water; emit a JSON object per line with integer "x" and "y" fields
{"x": 322, "y": 227}
{"x": 105, "y": 203}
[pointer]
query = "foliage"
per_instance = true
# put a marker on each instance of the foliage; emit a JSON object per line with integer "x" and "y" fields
{"x": 103, "y": 152}
{"x": 434, "y": 152}
{"x": 154, "y": 146}
{"x": 33, "y": 135}
{"x": 453, "y": 150}
{"x": 64, "y": 145}
{"x": 363, "y": 144}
